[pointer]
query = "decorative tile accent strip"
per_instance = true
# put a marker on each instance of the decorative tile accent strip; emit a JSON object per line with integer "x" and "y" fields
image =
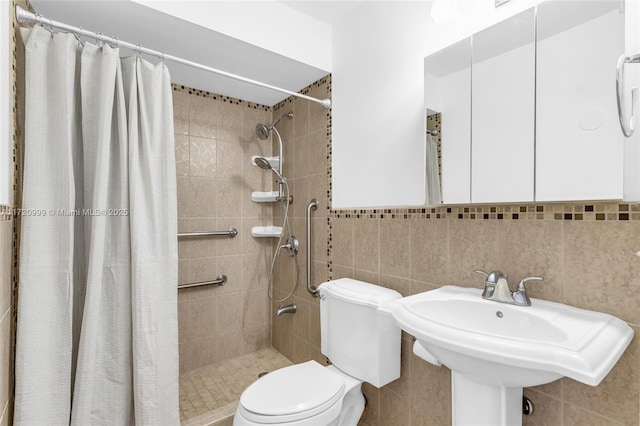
{"x": 587, "y": 212}
{"x": 228, "y": 99}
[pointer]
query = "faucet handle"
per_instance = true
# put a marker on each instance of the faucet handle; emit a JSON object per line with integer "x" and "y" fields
{"x": 481, "y": 272}
{"x": 521, "y": 284}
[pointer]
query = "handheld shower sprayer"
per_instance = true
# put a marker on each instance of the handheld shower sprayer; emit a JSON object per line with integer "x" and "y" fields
{"x": 264, "y": 164}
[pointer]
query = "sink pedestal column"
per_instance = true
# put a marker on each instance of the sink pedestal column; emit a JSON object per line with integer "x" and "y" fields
{"x": 476, "y": 404}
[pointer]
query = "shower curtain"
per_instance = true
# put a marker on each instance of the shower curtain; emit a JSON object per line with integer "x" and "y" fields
{"x": 97, "y": 323}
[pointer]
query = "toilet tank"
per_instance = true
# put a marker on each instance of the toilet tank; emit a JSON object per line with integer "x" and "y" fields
{"x": 355, "y": 336}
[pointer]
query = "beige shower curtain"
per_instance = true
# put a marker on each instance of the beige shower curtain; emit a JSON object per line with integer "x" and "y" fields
{"x": 97, "y": 324}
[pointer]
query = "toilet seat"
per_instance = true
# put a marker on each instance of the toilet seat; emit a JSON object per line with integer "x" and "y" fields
{"x": 292, "y": 393}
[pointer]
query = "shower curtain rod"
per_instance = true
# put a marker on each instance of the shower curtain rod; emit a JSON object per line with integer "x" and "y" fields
{"x": 23, "y": 16}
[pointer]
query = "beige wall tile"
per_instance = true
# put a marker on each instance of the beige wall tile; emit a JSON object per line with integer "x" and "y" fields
{"x": 255, "y": 310}
{"x": 402, "y": 386}
{"x": 430, "y": 393}
{"x": 230, "y": 311}
{"x": 573, "y": 415}
{"x": 401, "y": 285}
{"x": 342, "y": 241}
{"x": 204, "y": 269}
{"x": 366, "y": 246}
{"x": 231, "y": 266}
{"x": 301, "y": 350}
{"x": 547, "y": 411}
{"x": 181, "y": 112}
{"x": 371, "y": 414}
{"x": 202, "y": 117}
{"x": 602, "y": 268}
{"x": 394, "y": 409}
{"x": 228, "y": 201}
{"x": 300, "y": 117}
{"x": 202, "y": 157}
{"x": 529, "y": 248}
{"x": 202, "y": 197}
{"x": 229, "y": 160}
{"x": 255, "y": 271}
{"x": 197, "y": 353}
{"x": 199, "y": 247}
{"x": 473, "y": 244}
{"x": 198, "y": 318}
{"x": 182, "y": 154}
{"x": 366, "y": 276}
{"x": 183, "y": 196}
{"x": 430, "y": 251}
{"x": 301, "y": 319}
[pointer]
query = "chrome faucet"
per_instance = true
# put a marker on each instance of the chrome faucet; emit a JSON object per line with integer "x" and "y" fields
{"x": 496, "y": 288}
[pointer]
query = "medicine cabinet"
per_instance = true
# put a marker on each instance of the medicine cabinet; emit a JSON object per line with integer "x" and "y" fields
{"x": 527, "y": 107}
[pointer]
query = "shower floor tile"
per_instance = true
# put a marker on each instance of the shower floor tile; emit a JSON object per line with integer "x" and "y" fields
{"x": 210, "y": 394}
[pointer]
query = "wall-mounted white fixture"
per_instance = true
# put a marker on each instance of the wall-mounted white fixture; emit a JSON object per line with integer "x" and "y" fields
{"x": 627, "y": 125}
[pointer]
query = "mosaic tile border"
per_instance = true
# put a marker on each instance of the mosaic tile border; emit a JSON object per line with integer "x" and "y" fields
{"x": 548, "y": 212}
{"x": 218, "y": 97}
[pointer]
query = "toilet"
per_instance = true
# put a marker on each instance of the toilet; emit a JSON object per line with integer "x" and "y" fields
{"x": 363, "y": 345}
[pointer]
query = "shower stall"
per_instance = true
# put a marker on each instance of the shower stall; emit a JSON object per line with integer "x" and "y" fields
{"x": 240, "y": 309}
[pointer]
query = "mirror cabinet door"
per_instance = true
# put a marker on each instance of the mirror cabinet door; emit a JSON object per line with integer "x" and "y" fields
{"x": 503, "y": 107}
{"x": 448, "y": 102}
{"x": 579, "y": 145}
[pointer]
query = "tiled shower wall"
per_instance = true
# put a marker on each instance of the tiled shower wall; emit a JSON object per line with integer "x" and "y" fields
{"x": 306, "y": 139}
{"x": 215, "y": 139}
{"x": 588, "y": 254}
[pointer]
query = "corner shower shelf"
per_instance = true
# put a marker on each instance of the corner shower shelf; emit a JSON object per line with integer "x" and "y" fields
{"x": 264, "y": 197}
{"x": 266, "y": 231}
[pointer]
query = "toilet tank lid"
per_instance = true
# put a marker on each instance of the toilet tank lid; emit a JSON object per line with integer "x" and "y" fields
{"x": 358, "y": 292}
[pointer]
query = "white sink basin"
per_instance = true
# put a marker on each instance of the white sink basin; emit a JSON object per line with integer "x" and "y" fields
{"x": 500, "y": 346}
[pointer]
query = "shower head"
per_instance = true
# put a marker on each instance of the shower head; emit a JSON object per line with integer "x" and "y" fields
{"x": 263, "y": 163}
{"x": 263, "y": 130}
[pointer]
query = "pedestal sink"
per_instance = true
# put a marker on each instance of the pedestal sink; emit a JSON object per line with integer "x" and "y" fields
{"x": 496, "y": 349}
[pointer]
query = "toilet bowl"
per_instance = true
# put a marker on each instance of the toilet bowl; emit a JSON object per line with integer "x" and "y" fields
{"x": 363, "y": 345}
{"x": 302, "y": 394}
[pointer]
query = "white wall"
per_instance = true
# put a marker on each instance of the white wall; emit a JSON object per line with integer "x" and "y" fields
{"x": 5, "y": 102}
{"x": 378, "y": 106}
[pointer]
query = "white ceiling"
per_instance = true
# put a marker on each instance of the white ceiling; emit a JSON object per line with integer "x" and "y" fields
{"x": 136, "y": 23}
{"x": 329, "y": 12}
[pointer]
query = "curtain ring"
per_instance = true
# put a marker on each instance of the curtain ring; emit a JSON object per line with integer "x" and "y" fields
{"x": 51, "y": 26}
{"x": 38, "y": 19}
{"x": 138, "y": 51}
{"x": 99, "y": 39}
{"x": 114, "y": 42}
{"x": 163, "y": 57}
{"x": 77, "y": 35}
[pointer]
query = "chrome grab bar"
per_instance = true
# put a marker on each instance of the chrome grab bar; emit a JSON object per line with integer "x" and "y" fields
{"x": 313, "y": 205}
{"x": 231, "y": 232}
{"x": 627, "y": 126}
{"x": 220, "y": 280}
